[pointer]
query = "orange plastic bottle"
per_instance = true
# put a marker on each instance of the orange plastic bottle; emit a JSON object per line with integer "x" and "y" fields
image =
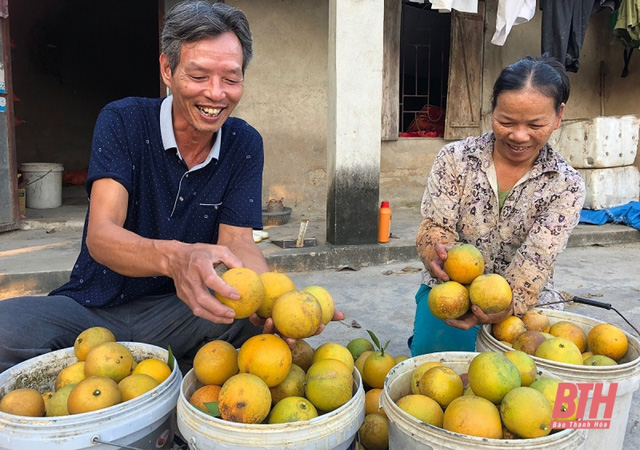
{"x": 384, "y": 223}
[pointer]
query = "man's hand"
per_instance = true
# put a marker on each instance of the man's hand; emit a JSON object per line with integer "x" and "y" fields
{"x": 193, "y": 272}
{"x": 269, "y": 327}
{"x": 475, "y": 316}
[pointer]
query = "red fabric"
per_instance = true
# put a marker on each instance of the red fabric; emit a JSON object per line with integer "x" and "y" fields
{"x": 428, "y": 123}
{"x": 75, "y": 177}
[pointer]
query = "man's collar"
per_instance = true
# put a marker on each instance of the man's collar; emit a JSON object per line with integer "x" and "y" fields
{"x": 169, "y": 137}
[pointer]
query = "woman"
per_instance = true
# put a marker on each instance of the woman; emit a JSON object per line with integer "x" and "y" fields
{"x": 508, "y": 193}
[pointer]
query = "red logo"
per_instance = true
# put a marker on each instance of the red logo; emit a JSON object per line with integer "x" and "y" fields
{"x": 600, "y": 411}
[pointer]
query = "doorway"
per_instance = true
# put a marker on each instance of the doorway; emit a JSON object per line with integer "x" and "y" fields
{"x": 69, "y": 59}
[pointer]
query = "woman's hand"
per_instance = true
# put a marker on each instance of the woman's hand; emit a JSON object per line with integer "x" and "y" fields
{"x": 436, "y": 265}
{"x": 475, "y": 316}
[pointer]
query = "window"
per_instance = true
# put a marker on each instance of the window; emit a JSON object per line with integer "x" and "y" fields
{"x": 424, "y": 70}
{"x": 432, "y": 68}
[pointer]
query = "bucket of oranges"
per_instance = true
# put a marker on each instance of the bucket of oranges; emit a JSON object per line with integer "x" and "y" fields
{"x": 468, "y": 400}
{"x": 49, "y": 403}
{"x": 578, "y": 349}
{"x": 268, "y": 396}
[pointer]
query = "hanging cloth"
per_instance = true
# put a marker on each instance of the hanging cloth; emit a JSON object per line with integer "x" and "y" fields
{"x": 564, "y": 25}
{"x": 510, "y": 13}
{"x": 627, "y": 30}
{"x": 445, "y": 6}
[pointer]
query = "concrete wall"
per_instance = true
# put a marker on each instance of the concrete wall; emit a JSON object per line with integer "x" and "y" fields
{"x": 286, "y": 98}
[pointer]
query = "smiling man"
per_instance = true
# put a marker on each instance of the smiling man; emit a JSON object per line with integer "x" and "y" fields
{"x": 175, "y": 188}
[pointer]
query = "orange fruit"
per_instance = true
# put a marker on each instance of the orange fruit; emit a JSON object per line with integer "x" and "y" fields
{"x": 46, "y": 396}
{"x": 302, "y": 354}
{"x": 250, "y": 287}
{"x": 491, "y": 292}
{"x": 57, "y": 405}
{"x": 372, "y": 401}
{"x": 448, "y": 300}
{"x": 608, "y": 340}
{"x": 526, "y": 412}
{"x": 358, "y": 346}
{"x": 325, "y": 299}
{"x": 509, "y": 329}
{"x": 93, "y": 393}
{"x": 376, "y": 367}
{"x": 135, "y": 385}
{"x": 528, "y": 341}
{"x": 474, "y": 416}
{"x": 599, "y": 360}
{"x": 275, "y": 284}
{"x": 359, "y": 364}
{"x": 536, "y": 320}
{"x": 464, "y": 263}
{"x": 374, "y": 432}
{"x": 215, "y": 362}
{"x": 292, "y": 409}
{"x": 110, "y": 359}
{"x": 69, "y": 375}
{"x": 205, "y": 394}
{"x": 441, "y": 384}
{"x": 329, "y": 384}
{"x": 90, "y": 338}
{"x": 297, "y": 314}
{"x": 244, "y": 398}
{"x": 491, "y": 375}
{"x": 549, "y": 388}
{"x": 525, "y": 364}
{"x": 291, "y": 386}
{"x": 418, "y": 372}
{"x": 560, "y": 350}
{"x": 571, "y": 331}
{"x": 156, "y": 369}
{"x": 267, "y": 356}
{"x": 423, "y": 408}
{"x": 23, "y": 402}
{"x": 335, "y": 351}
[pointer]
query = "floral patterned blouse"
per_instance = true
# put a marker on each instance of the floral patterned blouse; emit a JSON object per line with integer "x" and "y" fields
{"x": 522, "y": 240}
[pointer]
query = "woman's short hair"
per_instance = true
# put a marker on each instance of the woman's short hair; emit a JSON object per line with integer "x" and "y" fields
{"x": 544, "y": 74}
{"x": 191, "y": 21}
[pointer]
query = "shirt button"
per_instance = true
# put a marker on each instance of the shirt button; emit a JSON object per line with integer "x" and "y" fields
{"x": 186, "y": 176}
{"x": 181, "y": 198}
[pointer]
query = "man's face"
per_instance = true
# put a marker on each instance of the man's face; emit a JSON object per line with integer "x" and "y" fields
{"x": 207, "y": 83}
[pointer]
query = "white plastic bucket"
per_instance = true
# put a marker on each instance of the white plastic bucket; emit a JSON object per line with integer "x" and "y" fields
{"x": 43, "y": 183}
{"x": 626, "y": 374}
{"x": 405, "y": 431}
{"x": 334, "y": 430}
{"x": 145, "y": 422}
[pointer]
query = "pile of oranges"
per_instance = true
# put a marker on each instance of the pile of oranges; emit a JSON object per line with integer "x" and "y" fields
{"x": 495, "y": 396}
{"x": 468, "y": 285}
{"x": 563, "y": 341}
{"x": 104, "y": 374}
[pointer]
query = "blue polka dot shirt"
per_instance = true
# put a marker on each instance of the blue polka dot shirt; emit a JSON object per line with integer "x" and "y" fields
{"x": 134, "y": 144}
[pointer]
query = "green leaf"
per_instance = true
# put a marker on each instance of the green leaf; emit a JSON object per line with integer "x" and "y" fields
{"x": 212, "y": 409}
{"x": 374, "y": 338}
{"x": 171, "y": 359}
{"x": 385, "y": 347}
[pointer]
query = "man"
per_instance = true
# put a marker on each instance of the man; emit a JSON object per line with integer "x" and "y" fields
{"x": 175, "y": 189}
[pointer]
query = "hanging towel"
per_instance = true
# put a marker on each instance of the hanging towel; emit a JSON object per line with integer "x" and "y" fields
{"x": 444, "y": 6}
{"x": 510, "y": 13}
{"x": 628, "y": 214}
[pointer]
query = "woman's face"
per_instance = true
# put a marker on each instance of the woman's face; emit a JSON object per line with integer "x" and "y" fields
{"x": 522, "y": 122}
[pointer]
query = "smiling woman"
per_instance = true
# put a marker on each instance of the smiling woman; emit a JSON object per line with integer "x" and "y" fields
{"x": 508, "y": 193}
